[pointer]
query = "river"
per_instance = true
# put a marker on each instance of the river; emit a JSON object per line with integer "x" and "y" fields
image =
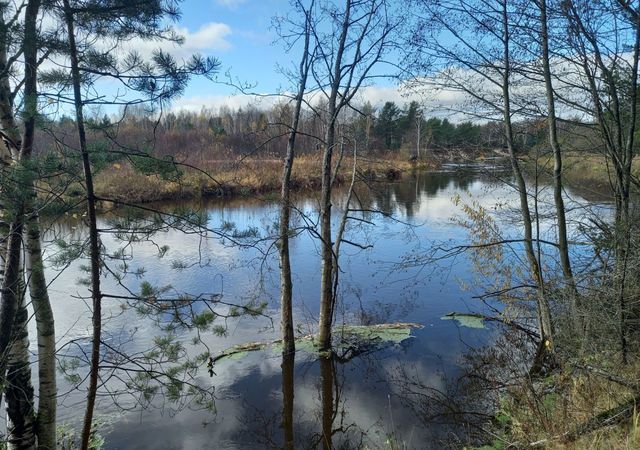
{"x": 376, "y": 400}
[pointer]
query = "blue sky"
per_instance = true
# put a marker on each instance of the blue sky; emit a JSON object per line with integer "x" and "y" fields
{"x": 239, "y": 34}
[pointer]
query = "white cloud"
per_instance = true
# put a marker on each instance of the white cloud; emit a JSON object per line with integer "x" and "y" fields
{"x": 231, "y": 4}
{"x": 213, "y": 101}
{"x": 210, "y": 38}
{"x": 435, "y": 104}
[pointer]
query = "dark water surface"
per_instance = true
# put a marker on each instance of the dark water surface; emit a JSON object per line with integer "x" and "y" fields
{"x": 366, "y": 402}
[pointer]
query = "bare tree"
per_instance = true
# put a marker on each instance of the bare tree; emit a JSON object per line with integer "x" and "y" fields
{"x": 552, "y": 120}
{"x": 286, "y": 284}
{"x": 94, "y": 237}
{"x": 358, "y": 40}
{"x": 484, "y": 71}
{"x": 604, "y": 39}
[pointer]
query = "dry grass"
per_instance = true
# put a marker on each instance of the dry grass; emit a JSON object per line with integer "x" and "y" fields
{"x": 545, "y": 414}
{"x": 246, "y": 177}
{"x": 585, "y": 170}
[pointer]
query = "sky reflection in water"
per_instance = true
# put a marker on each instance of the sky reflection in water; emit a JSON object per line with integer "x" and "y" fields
{"x": 363, "y": 401}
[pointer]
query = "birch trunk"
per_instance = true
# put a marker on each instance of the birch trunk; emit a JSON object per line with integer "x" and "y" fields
{"x": 11, "y": 310}
{"x": 45, "y": 325}
{"x": 46, "y": 416}
{"x": 21, "y": 419}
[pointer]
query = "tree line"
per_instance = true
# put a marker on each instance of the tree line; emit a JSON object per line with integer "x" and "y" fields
{"x": 225, "y": 133}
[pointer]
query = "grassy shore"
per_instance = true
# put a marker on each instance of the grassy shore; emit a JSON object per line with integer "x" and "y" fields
{"x": 247, "y": 177}
{"x": 574, "y": 409}
{"x": 584, "y": 170}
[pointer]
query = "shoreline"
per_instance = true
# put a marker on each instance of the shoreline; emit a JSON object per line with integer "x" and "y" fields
{"x": 242, "y": 179}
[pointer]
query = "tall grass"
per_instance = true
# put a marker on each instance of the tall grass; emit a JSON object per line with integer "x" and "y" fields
{"x": 237, "y": 177}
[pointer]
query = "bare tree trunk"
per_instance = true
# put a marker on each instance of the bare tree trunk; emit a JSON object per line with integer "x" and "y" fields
{"x": 326, "y": 281}
{"x": 563, "y": 245}
{"x": 10, "y": 147}
{"x": 618, "y": 142}
{"x": 21, "y": 419}
{"x": 342, "y": 227}
{"x": 46, "y": 417}
{"x": 625, "y": 188}
{"x": 94, "y": 238}
{"x": 542, "y": 306}
{"x": 286, "y": 284}
{"x": 418, "y": 134}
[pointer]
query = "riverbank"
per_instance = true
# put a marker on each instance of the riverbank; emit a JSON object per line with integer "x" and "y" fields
{"x": 580, "y": 407}
{"x": 251, "y": 177}
{"x": 584, "y": 171}
{"x": 242, "y": 178}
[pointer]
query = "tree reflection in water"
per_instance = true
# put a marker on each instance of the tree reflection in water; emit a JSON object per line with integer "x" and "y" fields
{"x": 288, "y": 376}
{"x": 450, "y": 406}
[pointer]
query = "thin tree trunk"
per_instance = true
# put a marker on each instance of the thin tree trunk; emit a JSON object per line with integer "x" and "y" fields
{"x": 625, "y": 188}
{"x": 326, "y": 280}
{"x": 94, "y": 238}
{"x": 8, "y": 150}
{"x": 617, "y": 150}
{"x": 343, "y": 226}
{"x": 286, "y": 284}
{"x": 542, "y": 307}
{"x": 563, "y": 245}
{"x": 418, "y": 135}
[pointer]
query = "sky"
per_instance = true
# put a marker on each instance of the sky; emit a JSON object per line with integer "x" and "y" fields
{"x": 240, "y": 34}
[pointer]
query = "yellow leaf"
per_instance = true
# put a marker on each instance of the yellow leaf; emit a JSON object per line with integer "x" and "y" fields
{"x": 117, "y": 166}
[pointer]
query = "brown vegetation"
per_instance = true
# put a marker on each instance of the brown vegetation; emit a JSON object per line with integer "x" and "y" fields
{"x": 240, "y": 177}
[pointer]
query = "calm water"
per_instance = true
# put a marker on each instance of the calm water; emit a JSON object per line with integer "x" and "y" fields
{"x": 366, "y": 401}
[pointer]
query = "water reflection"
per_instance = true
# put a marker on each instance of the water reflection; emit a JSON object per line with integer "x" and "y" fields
{"x": 413, "y": 394}
{"x": 329, "y": 408}
{"x": 288, "y": 379}
{"x": 375, "y": 400}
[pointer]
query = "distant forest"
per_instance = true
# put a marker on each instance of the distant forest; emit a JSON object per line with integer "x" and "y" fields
{"x": 211, "y": 135}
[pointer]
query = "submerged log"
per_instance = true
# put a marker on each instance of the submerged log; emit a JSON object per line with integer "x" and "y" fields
{"x": 348, "y": 341}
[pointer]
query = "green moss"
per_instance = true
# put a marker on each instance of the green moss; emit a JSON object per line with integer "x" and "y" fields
{"x": 370, "y": 333}
{"x": 345, "y": 337}
{"x": 466, "y": 320}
